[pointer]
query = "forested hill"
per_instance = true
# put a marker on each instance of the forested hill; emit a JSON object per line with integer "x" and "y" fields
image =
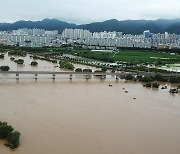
{"x": 126, "y": 26}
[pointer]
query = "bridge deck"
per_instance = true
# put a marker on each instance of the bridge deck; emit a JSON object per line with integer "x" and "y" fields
{"x": 85, "y": 73}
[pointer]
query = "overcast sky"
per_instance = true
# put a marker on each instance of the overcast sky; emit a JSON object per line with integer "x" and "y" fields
{"x": 86, "y": 11}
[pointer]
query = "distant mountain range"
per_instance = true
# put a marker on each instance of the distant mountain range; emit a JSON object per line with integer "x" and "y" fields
{"x": 126, "y": 26}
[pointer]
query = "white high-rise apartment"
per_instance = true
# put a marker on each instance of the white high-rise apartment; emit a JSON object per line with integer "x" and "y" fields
{"x": 76, "y": 34}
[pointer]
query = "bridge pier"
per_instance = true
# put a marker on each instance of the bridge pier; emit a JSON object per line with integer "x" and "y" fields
{"x": 54, "y": 76}
{"x": 87, "y": 76}
{"x": 17, "y": 76}
{"x": 117, "y": 77}
{"x": 36, "y": 75}
{"x": 70, "y": 76}
{"x": 103, "y": 76}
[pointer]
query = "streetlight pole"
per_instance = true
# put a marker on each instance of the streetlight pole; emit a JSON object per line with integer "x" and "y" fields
{"x": 54, "y": 72}
{"x": 17, "y": 74}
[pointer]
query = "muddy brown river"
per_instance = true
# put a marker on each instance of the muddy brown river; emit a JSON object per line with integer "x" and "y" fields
{"x": 88, "y": 116}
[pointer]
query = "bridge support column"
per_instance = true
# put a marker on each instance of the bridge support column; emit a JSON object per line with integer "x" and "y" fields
{"x": 87, "y": 76}
{"x": 70, "y": 77}
{"x": 54, "y": 76}
{"x": 36, "y": 75}
{"x": 103, "y": 76}
{"x": 17, "y": 76}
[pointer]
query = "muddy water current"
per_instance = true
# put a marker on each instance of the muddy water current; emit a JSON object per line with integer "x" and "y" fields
{"x": 82, "y": 116}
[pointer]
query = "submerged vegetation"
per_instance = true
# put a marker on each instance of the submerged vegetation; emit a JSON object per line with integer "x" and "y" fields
{"x": 66, "y": 64}
{"x": 44, "y": 58}
{"x": 153, "y": 85}
{"x": 7, "y": 133}
{"x": 1, "y": 56}
{"x": 159, "y": 77}
{"x": 12, "y": 58}
{"x": 34, "y": 63}
{"x": 153, "y": 78}
{"x": 78, "y": 70}
{"x": 13, "y": 140}
{"x": 17, "y": 53}
{"x": 4, "y": 68}
{"x": 87, "y": 70}
{"x": 19, "y": 61}
{"x": 129, "y": 77}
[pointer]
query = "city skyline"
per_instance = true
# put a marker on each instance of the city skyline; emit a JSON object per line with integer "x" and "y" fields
{"x": 83, "y": 11}
{"x": 40, "y": 37}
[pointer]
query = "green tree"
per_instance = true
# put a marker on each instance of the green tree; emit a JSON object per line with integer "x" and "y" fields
{"x": 12, "y": 58}
{"x": 12, "y": 137}
{"x": 78, "y": 70}
{"x": 5, "y": 130}
{"x": 174, "y": 79}
{"x": 129, "y": 77}
{"x": 104, "y": 69}
{"x": 148, "y": 85}
{"x": 2, "y": 56}
{"x": 159, "y": 63}
{"x": 87, "y": 70}
{"x": 66, "y": 64}
{"x": 19, "y": 61}
{"x": 34, "y": 63}
{"x": 17, "y": 53}
{"x": 146, "y": 79}
{"x": 160, "y": 77}
{"x": 4, "y": 68}
{"x": 13, "y": 140}
{"x": 155, "y": 85}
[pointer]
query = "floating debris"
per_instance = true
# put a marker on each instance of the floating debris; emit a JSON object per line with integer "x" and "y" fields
{"x": 147, "y": 85}
{"x": 165, "y": 87}
{"x": 174, "y": 91}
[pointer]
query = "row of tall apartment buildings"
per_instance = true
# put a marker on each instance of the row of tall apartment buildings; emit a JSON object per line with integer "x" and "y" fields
{"x": 28, "y": 37}
{"x": 34, "y": 32}
{"x": 118, "y": 39}
{"x": 41, "y": 37}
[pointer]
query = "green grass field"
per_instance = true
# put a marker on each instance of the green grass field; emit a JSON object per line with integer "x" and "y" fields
{"x": 139, "y": 56}
{"x": 145, "y": 56}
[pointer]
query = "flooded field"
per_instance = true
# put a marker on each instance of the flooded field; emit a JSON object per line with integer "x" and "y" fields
{"x": 42, "y": 65}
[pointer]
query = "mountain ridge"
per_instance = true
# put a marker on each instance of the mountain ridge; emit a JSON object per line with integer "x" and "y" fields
{"x": 125, "y": 26}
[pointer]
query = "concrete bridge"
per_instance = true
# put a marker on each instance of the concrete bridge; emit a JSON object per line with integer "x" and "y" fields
{"x": 87, "y": 74}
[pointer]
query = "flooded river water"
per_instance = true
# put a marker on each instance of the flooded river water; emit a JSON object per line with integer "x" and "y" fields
{"x": 42, "y": 65}
{"x": 88, "y": 117}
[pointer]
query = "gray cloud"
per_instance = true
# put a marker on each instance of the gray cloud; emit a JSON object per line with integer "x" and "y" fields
{"x": 83, "y": 11}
